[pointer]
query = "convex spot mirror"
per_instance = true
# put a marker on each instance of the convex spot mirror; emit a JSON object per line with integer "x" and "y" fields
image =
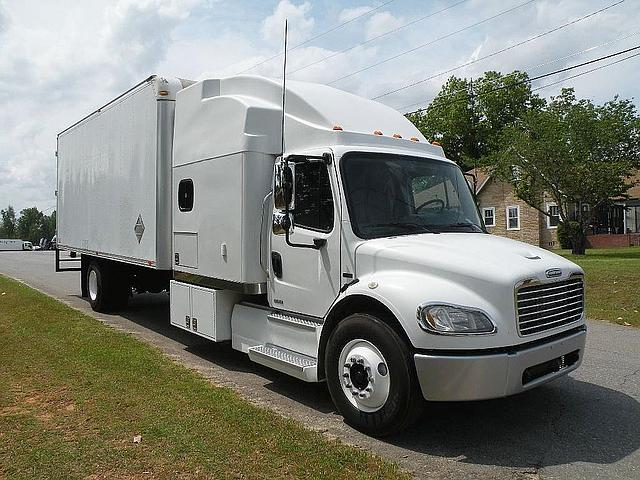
{"x": 281, "y": 223}
{"x": 283, "y": 186}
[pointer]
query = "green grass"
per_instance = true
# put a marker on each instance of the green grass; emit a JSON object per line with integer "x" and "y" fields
{"x": 613, "y": 283}
{"x": 74, "y": 393}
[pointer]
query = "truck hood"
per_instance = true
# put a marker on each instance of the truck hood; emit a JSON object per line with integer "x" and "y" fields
{"x": 477, "y": 256}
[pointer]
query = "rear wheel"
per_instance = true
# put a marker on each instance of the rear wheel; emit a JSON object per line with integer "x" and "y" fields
{"x": 105, "y": 290}
{"x": 371, "y": 377}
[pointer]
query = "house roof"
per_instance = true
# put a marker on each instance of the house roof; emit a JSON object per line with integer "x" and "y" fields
{"x": 482, "y": 177}
{"x": 634, "y": 191}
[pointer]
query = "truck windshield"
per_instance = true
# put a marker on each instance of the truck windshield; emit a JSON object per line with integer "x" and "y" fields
{"x": 389, "y": 195}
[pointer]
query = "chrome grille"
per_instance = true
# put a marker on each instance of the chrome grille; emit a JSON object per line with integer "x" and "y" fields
{"x": 545, "y": 306}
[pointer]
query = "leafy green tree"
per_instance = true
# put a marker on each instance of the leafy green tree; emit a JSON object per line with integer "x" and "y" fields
{"x": 467, "y": 116}
{"x": 29, "y": 226}
{"x": 8, "y": 223}
{"x": 49, "y": 226}
{"x": 580, "y": 154}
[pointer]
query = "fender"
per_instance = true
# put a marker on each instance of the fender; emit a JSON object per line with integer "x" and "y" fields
{"x": 399, "y": 293}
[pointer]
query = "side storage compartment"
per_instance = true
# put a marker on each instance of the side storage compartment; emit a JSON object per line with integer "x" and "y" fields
{"x": 180, "y": 301}
{"x": 203, "y": 311}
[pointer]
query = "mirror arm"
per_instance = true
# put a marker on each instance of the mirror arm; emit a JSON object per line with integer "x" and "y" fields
{"x": 317, "y": 244}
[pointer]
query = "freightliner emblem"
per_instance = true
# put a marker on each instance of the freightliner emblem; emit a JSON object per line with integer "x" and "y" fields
{"x": 139, "y": 228}
{"x": 553, "y": 272}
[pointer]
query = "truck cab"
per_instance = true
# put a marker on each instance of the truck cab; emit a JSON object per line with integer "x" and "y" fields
{"x": 362, "y": 256}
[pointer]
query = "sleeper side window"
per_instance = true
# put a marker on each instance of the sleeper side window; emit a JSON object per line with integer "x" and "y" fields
{"x": 185, "y": 195}
{"x": 313, "y": 199}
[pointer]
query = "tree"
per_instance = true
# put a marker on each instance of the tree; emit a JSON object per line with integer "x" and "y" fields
{"x": 467, "y": 117}
{"x": 8, "y": 225}
{"x": 29, "y": 226}
{"x": 49, "y": 226}
{"x": 580, "y": 154}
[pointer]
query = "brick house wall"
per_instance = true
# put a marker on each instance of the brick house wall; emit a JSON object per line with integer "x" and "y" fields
{"x": 494, "y": 193}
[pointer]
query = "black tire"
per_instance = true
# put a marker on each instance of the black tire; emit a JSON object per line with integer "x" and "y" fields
{"x": 404, "y": 402}
{"x": 108, "y": 292}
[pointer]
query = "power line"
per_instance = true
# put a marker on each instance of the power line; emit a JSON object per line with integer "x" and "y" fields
{"x": 585, "y": 72}
{"x": 377, "y": 37}
{"x": 315, "y": 37}
{"x": 411, "y": 50}
{"x": 545, "y": 75}
{"x": 498, "y": 52}
{"x": 525, "y": 69}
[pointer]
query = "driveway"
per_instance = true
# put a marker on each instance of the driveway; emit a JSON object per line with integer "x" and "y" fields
{"x": 585, "y": 425}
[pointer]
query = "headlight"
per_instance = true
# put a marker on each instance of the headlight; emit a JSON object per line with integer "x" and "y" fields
{"x": 453, "y": 320}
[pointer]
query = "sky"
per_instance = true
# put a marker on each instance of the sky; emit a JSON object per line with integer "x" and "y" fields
{"x": 61, "y": 60}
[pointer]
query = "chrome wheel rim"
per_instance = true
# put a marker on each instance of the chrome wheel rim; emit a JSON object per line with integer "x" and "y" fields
{"x": 93, "y": 285}
{"x": 364, "y": 375}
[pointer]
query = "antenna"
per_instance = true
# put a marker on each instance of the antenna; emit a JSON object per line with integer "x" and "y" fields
{"x": 284, "y": 81}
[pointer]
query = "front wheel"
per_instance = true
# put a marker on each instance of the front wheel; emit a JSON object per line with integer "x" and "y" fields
{"x": 370, "y": 376}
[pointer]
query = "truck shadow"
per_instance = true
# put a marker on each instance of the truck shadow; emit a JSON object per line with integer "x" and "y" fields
{"x": 560, "y": 423}
{"x": 563, "y": 422}
{"x": 151, "y": 311}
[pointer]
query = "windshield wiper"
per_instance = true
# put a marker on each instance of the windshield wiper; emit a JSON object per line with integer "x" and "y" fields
{"x": 475, "y": 227}
{"x": 405, "y": 225}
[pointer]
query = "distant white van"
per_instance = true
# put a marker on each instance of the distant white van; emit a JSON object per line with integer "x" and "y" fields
{"x": 12, "y": 244}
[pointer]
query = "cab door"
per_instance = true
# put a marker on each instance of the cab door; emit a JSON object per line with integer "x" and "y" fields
{"x": 307, "y": 280}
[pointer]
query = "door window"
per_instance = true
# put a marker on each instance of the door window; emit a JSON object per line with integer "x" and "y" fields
{"x": 185, "y": 195}
{"x": 313, "y": 199}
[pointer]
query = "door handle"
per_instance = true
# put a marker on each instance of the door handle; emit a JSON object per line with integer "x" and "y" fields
{"x": 276, "y": 264}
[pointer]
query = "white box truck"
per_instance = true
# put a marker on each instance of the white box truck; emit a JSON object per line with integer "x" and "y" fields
{"x": 13, "y": 244}
{"x": 357, "y": 256}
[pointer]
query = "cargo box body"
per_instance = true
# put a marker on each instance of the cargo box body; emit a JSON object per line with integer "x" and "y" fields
{"x": 114, "y": 178}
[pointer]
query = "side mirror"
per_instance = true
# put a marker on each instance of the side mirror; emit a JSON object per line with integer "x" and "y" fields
{"x": 281, "y": 223}
{"x": 283, "y": 189}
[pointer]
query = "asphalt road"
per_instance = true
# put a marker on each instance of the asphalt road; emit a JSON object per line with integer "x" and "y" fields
{"x": 585, "y": 425}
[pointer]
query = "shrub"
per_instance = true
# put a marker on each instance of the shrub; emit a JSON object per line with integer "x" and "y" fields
{"x": 566, "y": 232}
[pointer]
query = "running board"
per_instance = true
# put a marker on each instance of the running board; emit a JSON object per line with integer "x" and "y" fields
{"x": 299, "y": 322}
{"x": 285, "y": 361}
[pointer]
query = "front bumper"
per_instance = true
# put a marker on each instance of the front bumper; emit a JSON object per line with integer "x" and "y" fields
{"x": 456, "y": 377}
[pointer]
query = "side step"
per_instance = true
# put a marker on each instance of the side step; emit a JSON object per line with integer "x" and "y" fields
{"x": 299, "y": 322}
{"x": 285, "y": 361}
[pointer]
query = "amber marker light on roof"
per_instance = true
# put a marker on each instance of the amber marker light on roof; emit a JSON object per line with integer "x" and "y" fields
{"x": 337, "y": 128}
{"x": 437, "y": 144}
{"x": 397, "y": 135}
{"x": 415, "y": 139}
{"x": 163, "y": 93}
{"x": 377, "y": 132}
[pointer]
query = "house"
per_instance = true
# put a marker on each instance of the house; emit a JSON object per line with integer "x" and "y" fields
{"x": 504, "y": 214}
{"x": 618, "y": 225}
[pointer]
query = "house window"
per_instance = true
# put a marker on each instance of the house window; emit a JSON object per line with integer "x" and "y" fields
{"x": 513, "y": 217}
{"x": 185, "y": 195}
{"x": 313, "y": 198}
{"x": 489, "y": 216}
{"x": 554, "y": 215}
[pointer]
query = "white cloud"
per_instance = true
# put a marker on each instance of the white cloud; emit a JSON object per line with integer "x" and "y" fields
{"x": 4, "y": 20}
{"x": 55, "y": 69}
{"x": 138, "y": 33}
{"x": 300, "y": 24}
{"x": 350, "y": 13}
{"x": 380, "y": 23}
{"x": 60, "y": 60}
